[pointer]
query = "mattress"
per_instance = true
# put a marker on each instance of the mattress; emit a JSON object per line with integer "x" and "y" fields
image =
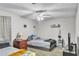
{"x": 39, "y": 43}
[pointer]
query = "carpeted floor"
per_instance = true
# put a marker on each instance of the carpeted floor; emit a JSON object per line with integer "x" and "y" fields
{"x": 55, "y": 52}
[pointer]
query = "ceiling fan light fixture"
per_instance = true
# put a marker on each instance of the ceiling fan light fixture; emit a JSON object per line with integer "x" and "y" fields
{"x": 40, "y": 18}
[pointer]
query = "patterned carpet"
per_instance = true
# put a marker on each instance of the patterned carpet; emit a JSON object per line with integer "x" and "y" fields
{"x": 55, "y": 52}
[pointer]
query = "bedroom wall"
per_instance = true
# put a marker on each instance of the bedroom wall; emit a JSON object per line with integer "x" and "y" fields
{"x": 77, "y": 22}
{"x": 43, "y": 28}
{"x": 17, "y": 24}
{"x": 77, "y": 29}
{"x": 67, "y": 25}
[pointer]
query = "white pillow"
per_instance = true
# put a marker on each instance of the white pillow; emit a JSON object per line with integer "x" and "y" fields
{"x": 34, "y": 38}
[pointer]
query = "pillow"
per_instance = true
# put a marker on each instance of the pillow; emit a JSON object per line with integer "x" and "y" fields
{"x": 31, "y": 37}
{"x": 34, "y": 38}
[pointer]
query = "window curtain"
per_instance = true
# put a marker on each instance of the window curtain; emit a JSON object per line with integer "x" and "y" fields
{"x": 5, "y": 29}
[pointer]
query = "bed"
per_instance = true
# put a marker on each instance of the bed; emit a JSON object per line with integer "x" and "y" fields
{"x": 8, "y": 51}
{"x": 44, "y": 44}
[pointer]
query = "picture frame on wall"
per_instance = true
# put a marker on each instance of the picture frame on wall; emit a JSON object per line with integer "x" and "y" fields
{"x": 55, "y": 26}
{"x": 25, "y": 25}
{"x": 34, "y": 26}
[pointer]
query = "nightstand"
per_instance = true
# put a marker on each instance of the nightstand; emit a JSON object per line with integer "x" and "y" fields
{"x": 21, "y": 44}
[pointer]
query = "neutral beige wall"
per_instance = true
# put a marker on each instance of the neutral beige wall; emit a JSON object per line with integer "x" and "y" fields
{"x": 77, "y": 29}
{"x": 43, "y": 28}
{"x": 17, "y": 25}
{"x": 67, "y": 25}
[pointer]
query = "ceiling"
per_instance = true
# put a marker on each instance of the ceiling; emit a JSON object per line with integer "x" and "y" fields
{"x": 48, "y": 10}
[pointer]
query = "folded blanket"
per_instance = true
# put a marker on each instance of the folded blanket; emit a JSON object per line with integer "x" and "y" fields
{"x": 18, "y": 53}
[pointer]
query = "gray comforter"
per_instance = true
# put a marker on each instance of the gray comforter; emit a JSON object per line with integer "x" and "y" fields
{"x": 41, "y": 43}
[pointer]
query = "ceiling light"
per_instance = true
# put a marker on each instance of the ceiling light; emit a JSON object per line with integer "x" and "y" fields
{"x": 40, "y": 18}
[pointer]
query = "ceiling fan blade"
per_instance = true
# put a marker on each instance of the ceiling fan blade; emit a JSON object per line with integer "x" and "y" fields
{"x": 27, "y": 15}
{"x": 46, "y": 16}
{"x": 30, "y": 15}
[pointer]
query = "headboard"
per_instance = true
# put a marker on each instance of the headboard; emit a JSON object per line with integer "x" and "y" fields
{"x": 3, "y": 45}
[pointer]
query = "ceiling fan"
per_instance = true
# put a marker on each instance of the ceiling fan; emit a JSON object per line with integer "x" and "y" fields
{"x": 38, "y": 15}
{"x": 41, "y": 15}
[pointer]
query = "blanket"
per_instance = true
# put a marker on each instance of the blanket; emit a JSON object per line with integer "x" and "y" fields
{"x": 18, "y": 53}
